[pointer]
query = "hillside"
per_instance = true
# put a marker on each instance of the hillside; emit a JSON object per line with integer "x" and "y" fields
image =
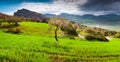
{"x": 67, "y": 27}
{"x": 34, "y": 42}
{"x": 32, "y": 46}
{"x": 59, "y": 30}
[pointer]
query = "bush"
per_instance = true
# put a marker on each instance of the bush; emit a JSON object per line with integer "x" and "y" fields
{"x": 117, "y": 35}
{"x": 99, "y": 38}
{"x": 14, "y": 30}
{"x": 92, "y": 34}
{"x": 89, "y": 30}
{"x": 109, "y": 33}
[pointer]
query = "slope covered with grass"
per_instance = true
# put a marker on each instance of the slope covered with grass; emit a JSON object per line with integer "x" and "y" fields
{"x": 38, "y": 29}
{"x": 34, "y": 45}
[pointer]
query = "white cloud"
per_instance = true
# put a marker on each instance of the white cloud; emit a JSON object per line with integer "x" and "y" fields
{"x": 59, "y": 6}
{"x": 8, "y": 13}
{"x": 56, "y": 7}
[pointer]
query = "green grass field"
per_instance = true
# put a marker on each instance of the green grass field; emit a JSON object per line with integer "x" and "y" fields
{"x": 37, "y": 44}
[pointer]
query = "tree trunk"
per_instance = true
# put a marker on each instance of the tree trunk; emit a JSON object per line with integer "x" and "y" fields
{"x": 56, "y": 33}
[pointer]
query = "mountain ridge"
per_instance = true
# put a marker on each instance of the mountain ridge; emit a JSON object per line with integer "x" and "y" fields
{"x": 31, "y": 15}
{"x": 108, "y": 21}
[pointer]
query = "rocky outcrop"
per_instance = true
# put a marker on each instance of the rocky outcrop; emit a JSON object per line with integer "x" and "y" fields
{"x": 34, "y": 16}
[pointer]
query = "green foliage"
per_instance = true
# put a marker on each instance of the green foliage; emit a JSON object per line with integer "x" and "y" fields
{"x": 33, "y": 45}
{"x": 25, "y": 48}
{"x": 117, "y": 35}
{"x": 1, "y": 20}
{"x": 36, "y": 43}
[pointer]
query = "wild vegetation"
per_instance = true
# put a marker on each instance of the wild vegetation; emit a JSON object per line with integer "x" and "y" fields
{"x": 64, "y": 25}
{"x": 97, "y": 33}
{"x": 11, "y": 19}
{"x": 34, "y": 42}
{"x": 70, "y": 29}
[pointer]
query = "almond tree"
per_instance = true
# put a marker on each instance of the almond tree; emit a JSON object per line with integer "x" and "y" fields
{"x": 64, "y": 25}
{"x": 55, "y": 22}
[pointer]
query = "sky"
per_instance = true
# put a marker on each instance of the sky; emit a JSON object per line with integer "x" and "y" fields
{"x": 77, "y": 7}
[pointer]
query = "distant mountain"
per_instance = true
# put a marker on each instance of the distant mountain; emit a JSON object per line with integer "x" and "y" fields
{"x": 108, "y": 17}
{"x": 88, "y": 16}
{"x": 68, "y": 16}
{"x": 50, "y": 15}
{"x": 102, "y": 19}
{"x": 109, "y": 21}
{"x": 31, "y": 14}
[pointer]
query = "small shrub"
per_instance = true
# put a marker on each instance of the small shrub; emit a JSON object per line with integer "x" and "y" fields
{"x": 14, "y": 30}
{"x": 117, "y": 35}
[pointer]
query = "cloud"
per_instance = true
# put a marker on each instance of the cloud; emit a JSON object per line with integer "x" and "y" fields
{"x": 78, "y": 7}
{"x": 104, "y": 6}
{"x": 56, "y": 7}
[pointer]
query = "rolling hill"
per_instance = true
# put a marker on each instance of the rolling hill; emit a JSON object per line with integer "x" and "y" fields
{"x": 33, "y": 46}
{"x": 36, "y": 43}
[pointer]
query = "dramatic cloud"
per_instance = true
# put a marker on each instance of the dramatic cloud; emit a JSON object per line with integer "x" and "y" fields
{"x": 79, "y": 7}
{"x": 56, "y": 7}
{"x": 103, "y": 6}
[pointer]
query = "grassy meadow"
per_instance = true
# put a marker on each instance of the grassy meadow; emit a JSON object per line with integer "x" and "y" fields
{"x": 37, "y": 44}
